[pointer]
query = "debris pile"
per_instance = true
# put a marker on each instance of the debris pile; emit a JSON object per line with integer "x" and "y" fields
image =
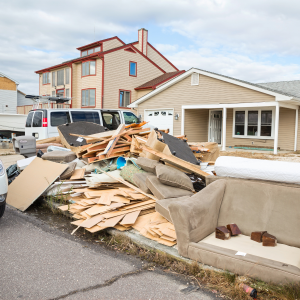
{"x": 109, "y": 178}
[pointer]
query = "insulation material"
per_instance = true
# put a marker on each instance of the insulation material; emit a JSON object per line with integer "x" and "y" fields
{"x": 246, "y": 168}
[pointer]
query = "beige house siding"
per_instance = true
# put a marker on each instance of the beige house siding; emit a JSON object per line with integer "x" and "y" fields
{"x": 196, "y": 125}
{"x": 286, "y": 133}
{"x": 141, "y": 93}
{"x": 111, "y": 44}
{"x": 7, "y": 84}
{"x": 116, "y": 75}
{"x": 160, "y": 61}
{"x": 87, "y": 82}
{"x": 209, "y": 91}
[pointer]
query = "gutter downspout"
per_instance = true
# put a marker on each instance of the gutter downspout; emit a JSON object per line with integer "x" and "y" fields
{"x": 102, "y": 92}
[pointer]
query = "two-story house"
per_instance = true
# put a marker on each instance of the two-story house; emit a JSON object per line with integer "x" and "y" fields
{"x": 108, "y": 73}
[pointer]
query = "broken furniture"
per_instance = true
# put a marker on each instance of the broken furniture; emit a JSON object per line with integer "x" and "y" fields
{"x": 253, "y": 206}
{"x": 25, "y": 145}
{"x": 205, "y": 151}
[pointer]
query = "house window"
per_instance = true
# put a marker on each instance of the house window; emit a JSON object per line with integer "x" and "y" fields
{"x": 53, "y": 94}
{"x": 88, "y": 68}
{"x": 97, "y": 49}
{"x": 60, "y": 77}
{"x": 132, "y": 68}
{"x": 67, "y": 93}
{"x": 67, "y": 75}
{"x": 266, "y": 123}
{"x": 84, "y": 53}
{"x": 88, "y": 97}
{"x": 251, "y": 123}
{"x": 53, "y": 79}
{"x": 46, "y": 78}
{"x": 60, "y": 93}
{"x": 124, "y": 98}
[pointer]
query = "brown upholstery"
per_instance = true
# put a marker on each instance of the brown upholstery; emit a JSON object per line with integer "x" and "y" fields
{"x": 139, "y": 179}
{"x": 147, "y": 164}
{"x": 162, "y": 191}
{"x": 173, "y": 177}
{"x": 162, "y": 206}
{"x": 59, "y": 156}
{"x": 252, "y": 206}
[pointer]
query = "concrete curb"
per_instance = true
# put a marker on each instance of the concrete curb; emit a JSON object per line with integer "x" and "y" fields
{"x": 142, "y": 241}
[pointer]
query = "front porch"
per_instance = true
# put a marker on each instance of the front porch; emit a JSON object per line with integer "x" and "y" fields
{"x": 260, "y": 125}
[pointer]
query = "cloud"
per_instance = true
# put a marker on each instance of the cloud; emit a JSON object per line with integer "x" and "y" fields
{"x": 252, "y": 39}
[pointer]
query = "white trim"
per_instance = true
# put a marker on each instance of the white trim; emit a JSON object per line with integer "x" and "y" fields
{"x": 258, "y": 136}
{"x": 3, "y": 75}
{"x": 278, "y": 96}
{"x": 296, "y": 130}
{"x": 287, "y": 105}
{"x": 276, "y": 129}
{"x": 231, "y": 105}
{"x": 224, "y": 121}
{"x": 182, "y": 121}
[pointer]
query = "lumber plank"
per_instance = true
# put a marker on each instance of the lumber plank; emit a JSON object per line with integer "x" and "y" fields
{"x": 130, "y": 218}
{"x": 112, "y": 143}
{"x": 173, "y": 160}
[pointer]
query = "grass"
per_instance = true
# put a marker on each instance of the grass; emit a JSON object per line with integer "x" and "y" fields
{"x": 225, "y": 283}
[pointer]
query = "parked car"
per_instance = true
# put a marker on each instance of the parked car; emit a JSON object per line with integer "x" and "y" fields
{"x": 3, "y": 188}
{"x": 42, "y": 123}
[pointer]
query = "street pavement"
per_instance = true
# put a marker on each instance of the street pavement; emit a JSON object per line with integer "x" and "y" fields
{"x": 41, "y": 261}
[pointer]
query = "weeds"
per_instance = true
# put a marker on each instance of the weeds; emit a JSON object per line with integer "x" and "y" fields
{"x": 226, "y": 283}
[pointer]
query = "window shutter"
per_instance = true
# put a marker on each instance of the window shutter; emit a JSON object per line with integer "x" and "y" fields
{"x": 127, "y": 99}
{"x": 195, "y": 79}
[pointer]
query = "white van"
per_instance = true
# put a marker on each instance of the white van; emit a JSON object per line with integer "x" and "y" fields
{"x": 42, "y": 123}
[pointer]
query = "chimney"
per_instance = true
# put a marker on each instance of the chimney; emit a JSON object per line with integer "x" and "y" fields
{"x": 143, "y": 40}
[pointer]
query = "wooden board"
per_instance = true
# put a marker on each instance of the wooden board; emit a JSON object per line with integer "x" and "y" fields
{"x": 130, "y": 218}
{"x": 173, "y": 160}
{"x": 78, "y": 174}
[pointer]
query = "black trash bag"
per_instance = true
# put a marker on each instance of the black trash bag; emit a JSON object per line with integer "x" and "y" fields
{"x": 10, "y": 171}
{"x": 40, "y": 153}
{"x": 198, "y": 183}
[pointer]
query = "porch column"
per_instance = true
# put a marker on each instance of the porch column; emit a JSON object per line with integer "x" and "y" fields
{"x": 182, "y": 121}
{"x": 224, "y": 128}
{"x": 276, "y": 128}
{"x": 296, "y": 129}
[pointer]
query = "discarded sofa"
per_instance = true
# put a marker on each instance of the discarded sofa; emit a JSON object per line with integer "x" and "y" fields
{"x": 252, "y": 206}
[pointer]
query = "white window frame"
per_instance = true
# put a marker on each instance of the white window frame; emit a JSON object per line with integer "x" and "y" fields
{"x": 67, "y": 75}
{"x": 46, "y": 78}
{"x": 195, "y": 78}
{"x": 258, "y": 136}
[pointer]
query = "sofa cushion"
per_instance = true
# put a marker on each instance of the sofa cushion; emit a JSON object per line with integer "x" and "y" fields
{"x": 162, "y": 191}
{"x": 69, "y": 172}
{"x": 258, "y": 206}
{"x": 173, "y": 177}
{"x": 265, "y": 266}
{"x": 129, "y": 171}
{"x": 147, "y": 164}
{"x": 59, "y": 156}
{"x": 162, "y": 206}
{"x": 139, "y": 179}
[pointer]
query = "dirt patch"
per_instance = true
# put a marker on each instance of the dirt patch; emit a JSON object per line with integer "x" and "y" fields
{"x": 292, "y": 157}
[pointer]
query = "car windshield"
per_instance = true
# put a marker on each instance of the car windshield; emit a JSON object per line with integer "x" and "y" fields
{"x": 130, "y": 118}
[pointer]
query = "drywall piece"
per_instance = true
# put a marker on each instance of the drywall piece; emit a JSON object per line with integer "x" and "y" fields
{"x": 23, "y": 163}
{"x": 78, "y": 174}
{"x": 84, "y": 128}
{"x": 32, "y": 182}
{"x": 130, "y": 218}
{"x": 179, "y": 148}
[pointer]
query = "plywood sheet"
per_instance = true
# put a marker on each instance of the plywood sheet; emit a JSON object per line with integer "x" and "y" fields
{"x": 32, "y": 182}
{"x": 130, "y": 218}
{"x": 78, "y": 174}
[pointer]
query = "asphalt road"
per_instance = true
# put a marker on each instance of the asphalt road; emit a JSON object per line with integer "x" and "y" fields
{"x": 41, "y": 261}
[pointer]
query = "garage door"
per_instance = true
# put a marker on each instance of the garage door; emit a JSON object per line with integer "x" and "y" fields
{"x": 160, "y": 118}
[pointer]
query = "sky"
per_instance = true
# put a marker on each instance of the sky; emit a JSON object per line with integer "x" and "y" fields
{"x": 253, "y": 40}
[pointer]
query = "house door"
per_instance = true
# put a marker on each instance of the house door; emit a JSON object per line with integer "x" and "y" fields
{"x": 215, "y": 126}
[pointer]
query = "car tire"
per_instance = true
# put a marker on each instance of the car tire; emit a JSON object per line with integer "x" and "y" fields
{"x": 2, "y": 209}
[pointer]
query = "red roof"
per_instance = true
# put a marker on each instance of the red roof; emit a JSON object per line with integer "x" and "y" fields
{"x": 152, "y": 84}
